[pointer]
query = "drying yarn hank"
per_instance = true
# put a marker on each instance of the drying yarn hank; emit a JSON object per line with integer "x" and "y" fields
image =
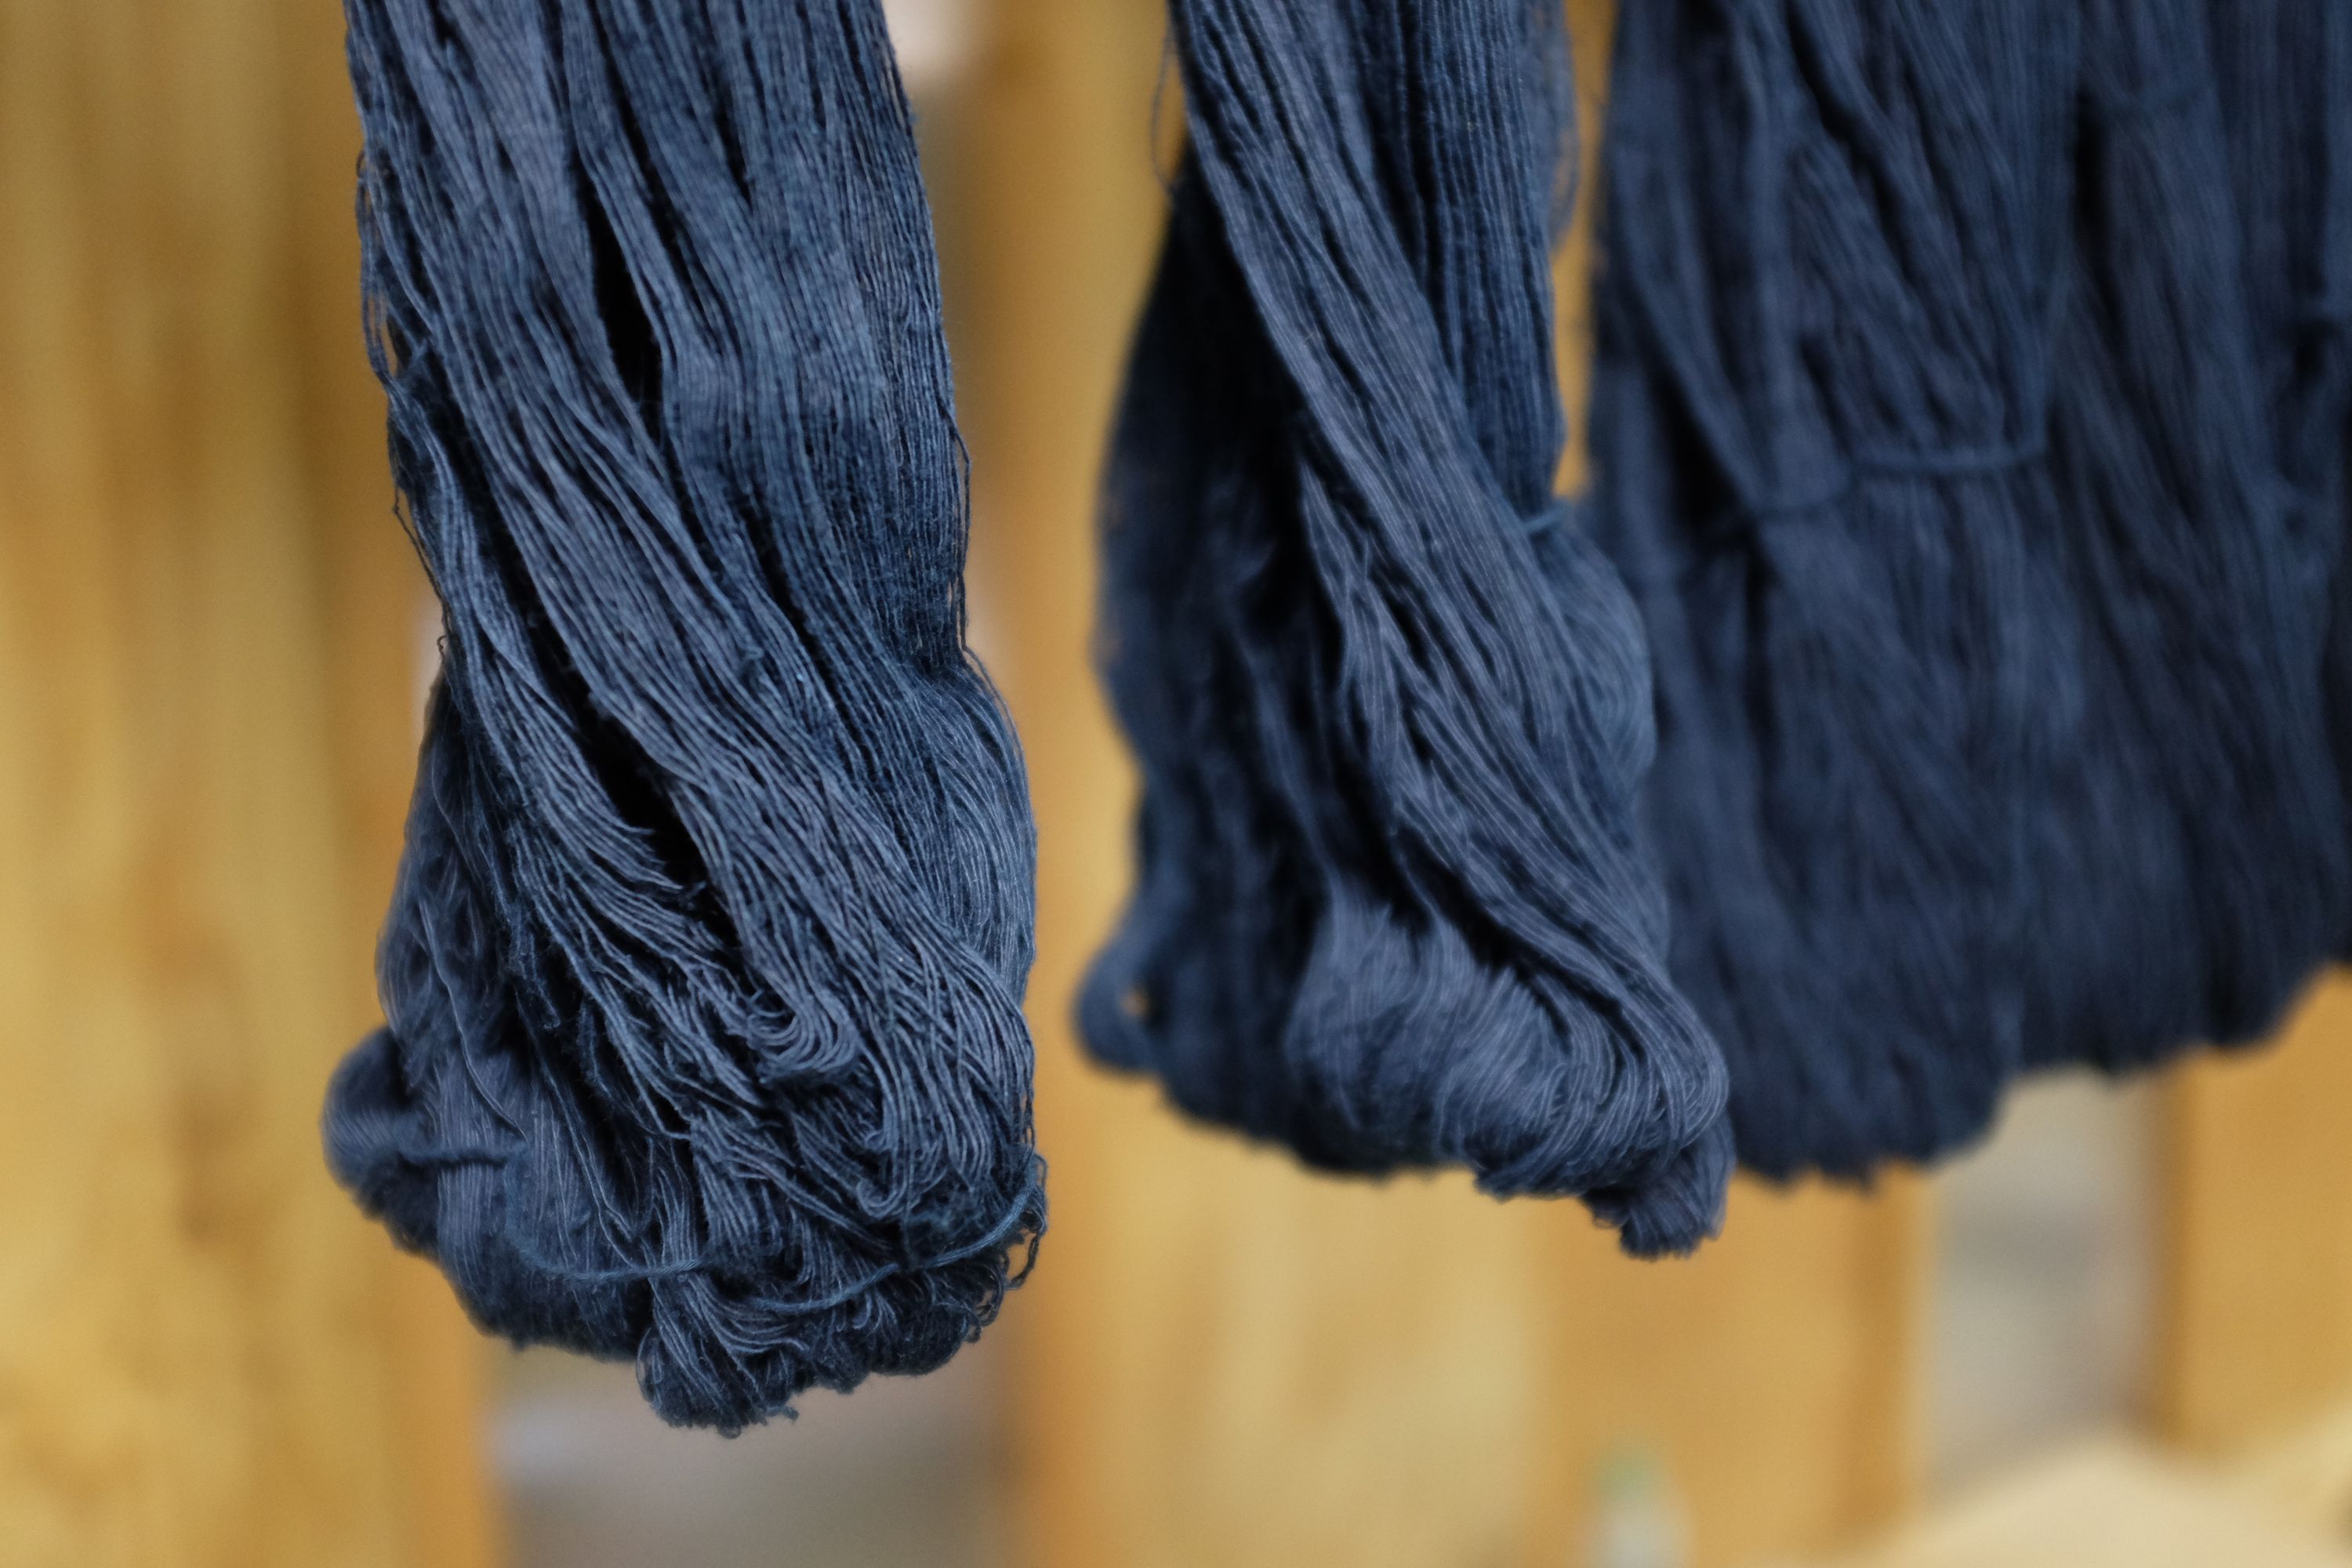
{"x": 704, "y": 971}
{"x": 1925, "y": 425}
{"x": 1391, "y": 708}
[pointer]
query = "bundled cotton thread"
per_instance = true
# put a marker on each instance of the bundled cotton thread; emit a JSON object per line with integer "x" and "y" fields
{"x": 2285, "y": 70}
{"x": 1391, "y": 708}
{"x": 2190, "y": 870}
{"x": 703, "y": 975}
{"x": 1924, "y": 425}
{"x": 1817, "y": 407}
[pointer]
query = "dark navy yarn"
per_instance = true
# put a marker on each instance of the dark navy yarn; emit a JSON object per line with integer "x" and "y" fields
{"x": 704, "y": 971}
{"x": 1391, "y": 710}
{"x": 2285, "y": 70}
{"x": 1823, "y": 317}
{"x": 1925, "y": 421}
{"x": 2190, "y": 872}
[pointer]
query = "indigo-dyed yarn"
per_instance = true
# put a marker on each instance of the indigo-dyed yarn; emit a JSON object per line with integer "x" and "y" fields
{"x": 1391, "y": 708}
{"x": 1924, "y": 424}
{"x": 2285, "y": 70}
{"x": 2190, "y": 871}
{"x": 703, "y": 975}
{"x": 1817, "y": 414}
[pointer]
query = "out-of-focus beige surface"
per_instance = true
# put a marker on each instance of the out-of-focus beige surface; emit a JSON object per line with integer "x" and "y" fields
{"x": 2304, "y": 1475}
{"x": 2109, "y": 1504}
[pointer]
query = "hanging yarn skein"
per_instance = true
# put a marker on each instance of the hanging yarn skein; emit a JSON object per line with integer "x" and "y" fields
{"x": 1924, "y": 424}
{"x": 704, "y": 971}
{"x": 1391, "y": 708}
{"x": 2284, "y": 69}
{"x": 2191, "y": 871}
{"x": 1816, "y": 401}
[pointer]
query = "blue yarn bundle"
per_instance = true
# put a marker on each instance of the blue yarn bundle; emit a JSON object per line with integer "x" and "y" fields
{"x": 2194, "y": 863}
{"x": 1926, "y": 424}
{"x": 2284, "y": 74}
{"x": 704, "y": 971}
{"x": 1817, "y": 417}
{"x": 1391, "y": 708}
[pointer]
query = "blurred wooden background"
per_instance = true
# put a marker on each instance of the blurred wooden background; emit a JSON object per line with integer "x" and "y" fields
{"x": 207, "y": 630}
{"x": 207, "y": 623}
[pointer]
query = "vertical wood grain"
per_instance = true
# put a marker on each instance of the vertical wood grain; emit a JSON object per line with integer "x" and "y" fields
{"x": 2254, "y": 1321}
{"x": 1223, "y": 1359}
{"x": 205, "y": 725}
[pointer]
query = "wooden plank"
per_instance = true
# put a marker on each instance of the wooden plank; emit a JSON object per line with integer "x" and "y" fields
{"x": 1222, "y": 1359}
{"x": 2254, "y": 1325}
{"x": 205, "y": 1356}
{"x": 1777, "y": 1376}
{"x": 1049, "y": 216}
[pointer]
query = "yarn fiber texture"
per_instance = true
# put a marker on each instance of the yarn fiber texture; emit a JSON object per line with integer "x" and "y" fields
{"x": 1926, "y": 424}
{"x": 2200, "y": 851}
{"x": 1391, "y": 708}
{"x": 2284, "y": 74}
{"x": 704, "y": 969}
